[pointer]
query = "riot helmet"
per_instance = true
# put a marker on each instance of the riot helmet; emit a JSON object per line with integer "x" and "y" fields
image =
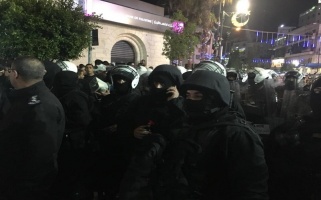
{"x": 67, "y": 66}
{"x": 272, "y": 73}
{"x": 258, "y": 75}
{"x": 232, "y": 75}
{"x": 182, "y": 69}
{"x": 291, "y": 80}
{"x": 141, "y": 70}
{"x": 123, "y": 78}
{"x": 211, "y": 66}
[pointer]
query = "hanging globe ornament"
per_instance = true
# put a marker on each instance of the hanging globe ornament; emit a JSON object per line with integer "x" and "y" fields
{"x": 178, "y": 27}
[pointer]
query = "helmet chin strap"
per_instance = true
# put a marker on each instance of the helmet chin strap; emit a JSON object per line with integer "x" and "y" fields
{"x": 231, "y": 98}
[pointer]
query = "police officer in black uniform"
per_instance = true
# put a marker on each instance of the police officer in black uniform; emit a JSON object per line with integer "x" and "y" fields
{"x": 157, "y": 118}
{"x": 30, "y": 134}
{"x": 217, "y": 156}
{"x": 74, "y": 158}
{"x": 294, "y": 154}
{"x": 114, "y": 137}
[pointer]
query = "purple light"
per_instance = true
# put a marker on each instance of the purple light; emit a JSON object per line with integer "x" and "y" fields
{"x": 178, "y": 27}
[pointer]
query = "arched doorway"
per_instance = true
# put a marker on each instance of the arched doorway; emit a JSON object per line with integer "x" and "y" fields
{"x": 122, "y": 53}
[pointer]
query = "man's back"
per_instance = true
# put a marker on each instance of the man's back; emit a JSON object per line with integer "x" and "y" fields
{"x": 30, "y": 137}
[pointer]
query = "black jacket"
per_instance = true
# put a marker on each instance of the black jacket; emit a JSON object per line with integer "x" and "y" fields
{"x": 114, "y": 108}
{"x": 221, "y": 158}
{"x": 165, "y": 117}
{"x": 294, "y": 158}
{"x": 77, "y": 106}
{"x": 166, "y": 120}
{"x": 30, "y": 137}
{"x": 84, "y": 85}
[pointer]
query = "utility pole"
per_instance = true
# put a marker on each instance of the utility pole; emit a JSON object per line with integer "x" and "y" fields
{"x": 222, "y": 18}
{"x": 318, "y": 60}
{"x": 90, "y": 47}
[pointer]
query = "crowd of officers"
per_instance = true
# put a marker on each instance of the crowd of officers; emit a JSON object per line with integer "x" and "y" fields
{"x": 120, "y": 132}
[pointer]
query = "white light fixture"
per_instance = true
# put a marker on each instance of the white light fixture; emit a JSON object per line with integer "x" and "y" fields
{"x": 296, "y": 62}
{"x": 242, "y": 6}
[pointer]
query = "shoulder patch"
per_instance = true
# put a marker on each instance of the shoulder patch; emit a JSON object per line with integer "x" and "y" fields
{"x": 34, "y": 100}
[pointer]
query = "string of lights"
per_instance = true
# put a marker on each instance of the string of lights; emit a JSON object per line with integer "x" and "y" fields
{"x": 282, "y": 39}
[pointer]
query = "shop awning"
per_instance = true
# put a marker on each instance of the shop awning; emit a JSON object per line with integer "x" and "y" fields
{"x": 313, "y": 65}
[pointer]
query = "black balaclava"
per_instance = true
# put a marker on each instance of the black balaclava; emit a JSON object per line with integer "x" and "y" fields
{"x": 52, "y": 69}
{"x": 64, "y": 82}
{"x": 290, "y": 84}
{"x": 121, "y": 88}
{"x": 160, "y": 94}
{"x": 251, "y": 77}
{"x": 315, "y": 98}
{"x": 231, "y": 76}
{"x": 291, "y": 80}
{"x": 201, "y": 110}
{"x": 186, "y": 74}
{"x": 216, "y": 95}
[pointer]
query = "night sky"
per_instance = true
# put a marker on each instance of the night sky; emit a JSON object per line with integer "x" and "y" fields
{"x": 267, "y": 15}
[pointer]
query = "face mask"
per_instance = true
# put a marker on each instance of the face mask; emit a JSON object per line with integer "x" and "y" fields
{"x": 194, "y": 105}
{"x": 159, "y": 94}
{"x": 251, "y": 81}
{"x": 197, "y": 110}
{"x": 122, "y": 88}
{"x": 289, "y": 85}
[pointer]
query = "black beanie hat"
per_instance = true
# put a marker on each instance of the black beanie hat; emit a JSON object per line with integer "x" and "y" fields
{"x": 168, "y": 73}
{"x": 164, "y": 79}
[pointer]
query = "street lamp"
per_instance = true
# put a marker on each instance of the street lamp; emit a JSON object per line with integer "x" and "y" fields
{"x": 242, "y": 6}
{"x": 242, "y": 12}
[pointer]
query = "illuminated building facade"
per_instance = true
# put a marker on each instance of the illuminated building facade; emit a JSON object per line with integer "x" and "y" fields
{"x": 130, "y": 31}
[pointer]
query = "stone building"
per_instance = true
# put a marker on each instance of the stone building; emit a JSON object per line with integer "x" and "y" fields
{"x": 130, "y": 31}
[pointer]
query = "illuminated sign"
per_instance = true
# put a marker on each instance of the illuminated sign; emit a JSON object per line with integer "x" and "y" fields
{"x": 123, "y": 15}
{"x": 278, "y": 62}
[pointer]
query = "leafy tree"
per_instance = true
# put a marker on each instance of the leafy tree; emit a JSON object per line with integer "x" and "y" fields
{"x": 180, "y": 45}
{"x": 197, "y": 11}
{"x": 46, "y": 29}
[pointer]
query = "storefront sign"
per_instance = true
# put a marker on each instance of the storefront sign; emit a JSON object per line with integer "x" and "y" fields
{"x": 120, "y": 14}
